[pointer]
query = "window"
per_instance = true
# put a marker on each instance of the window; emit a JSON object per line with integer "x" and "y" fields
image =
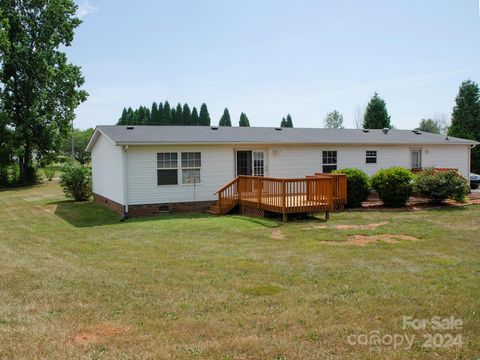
{"x": 329, "y": 161}
{"x": 416, "y": 159}
{"x": 371, "y": 157}
{"x": 167, "y": 169}
{"x": 258, "y": 163}
{"x": 191, "y": 164}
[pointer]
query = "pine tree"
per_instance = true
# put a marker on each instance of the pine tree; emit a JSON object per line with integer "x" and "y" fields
{"x": 334, "y": 120}
{"x": 466, "y": 118}
{"x": 289, "y": 121}
{"x": 187, "y": 115}
{"x": 195, "y": 118}
{"x": 167, "y": 114}
{"x": 154, "y": 114}
{"x": 160, "y": 114}
{"x": 204, "y": 116}
{"x": 376, "y": 115}
{"x": 123, "y": 118}
{"x": 178, "y": 119}
{"x": 130, "y": 118}
{"x": 243, "y": 120}
{"x": 283, "y": 123}
{"x": 225, "y": 119}
{"x": 429, "y": 125}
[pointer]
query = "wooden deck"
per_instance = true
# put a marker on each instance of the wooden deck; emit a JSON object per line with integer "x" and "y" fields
{"x": 255, "y": 195}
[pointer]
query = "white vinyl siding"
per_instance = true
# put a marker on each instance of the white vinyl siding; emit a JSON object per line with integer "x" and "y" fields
{"x": 107, "y": 165}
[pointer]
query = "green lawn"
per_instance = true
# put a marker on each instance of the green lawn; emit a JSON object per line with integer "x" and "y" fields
{"x": 77, "y": 283}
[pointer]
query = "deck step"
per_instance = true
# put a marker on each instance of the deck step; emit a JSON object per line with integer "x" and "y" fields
{"x": 208, "y": 211}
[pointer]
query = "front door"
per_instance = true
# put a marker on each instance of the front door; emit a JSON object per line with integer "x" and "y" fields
{"x": 249, "y": 162}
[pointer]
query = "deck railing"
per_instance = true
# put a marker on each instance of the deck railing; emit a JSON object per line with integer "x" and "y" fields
{"x": 339, "y": 188}
{"x": 296, "y": 195}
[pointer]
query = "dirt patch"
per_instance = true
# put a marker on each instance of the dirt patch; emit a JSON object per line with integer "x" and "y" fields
{"x": 99, "y": 334}
{"x": 278, "y": 234}
{"x": 362, "y": 240}
{"x": 372, "y": 226}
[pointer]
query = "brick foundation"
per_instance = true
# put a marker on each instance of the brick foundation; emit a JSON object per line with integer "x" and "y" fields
{"x": 153, "y": 209}
{"x": 170, "y": 208}
{"x": 101, "y": 200}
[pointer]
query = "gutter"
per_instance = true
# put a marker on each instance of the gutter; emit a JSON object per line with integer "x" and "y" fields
{"x": 125, "y": 184}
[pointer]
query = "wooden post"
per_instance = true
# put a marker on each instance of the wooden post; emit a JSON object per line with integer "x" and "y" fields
{"x": 284, "y": 202}
{"x": 327, "y": 215}
{"x": 220, "y": 203}
{"x": 259, "y": 192}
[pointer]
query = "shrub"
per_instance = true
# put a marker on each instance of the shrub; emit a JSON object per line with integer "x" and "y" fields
{"x": 76, "y": 182}
{"x": 357, "y": 186}
{"x": 394, "y": 185}
{"x": 440, "y": 185}
{"x": 49, "y": 172}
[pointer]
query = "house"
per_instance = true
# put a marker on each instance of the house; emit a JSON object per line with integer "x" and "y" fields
{"x": 143, "y": 170}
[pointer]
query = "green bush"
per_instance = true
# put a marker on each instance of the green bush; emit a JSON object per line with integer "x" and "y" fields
{"x": 394, "y": 185}
{"x": 49, "y": 172}
{"x": 440, "y": 185}
{"x": 358, "y": 186}
{"x": 76, "y": 182}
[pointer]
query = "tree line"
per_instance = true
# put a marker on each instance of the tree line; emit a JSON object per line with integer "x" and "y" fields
{"x": 165, "y": 114}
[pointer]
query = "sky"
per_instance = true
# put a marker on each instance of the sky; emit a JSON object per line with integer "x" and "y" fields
{"x": 268, "y": 58}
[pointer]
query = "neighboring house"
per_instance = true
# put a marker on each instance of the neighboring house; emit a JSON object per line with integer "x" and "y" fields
{"x": 143, "y": 170}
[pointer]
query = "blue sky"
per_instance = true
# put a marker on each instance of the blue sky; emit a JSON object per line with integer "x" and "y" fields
{"x": 268, "y": 58}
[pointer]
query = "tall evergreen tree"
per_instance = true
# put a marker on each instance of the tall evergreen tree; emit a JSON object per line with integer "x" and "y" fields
{"x": 376, "y": 115}
{"x": 283, "y": 123}
{"x": 167, "y": 114}
{"x": 204, "y": 116}
{"x": 195, "y": 118}
{"x": 154, "y": 114}
{"x": 160, "y": 114}
{"x": 289, "y": 121}
{"x": 178, "y": 119}
{"x": 466, "y": 118}
{"x": 225, "y": 119}
{"x": 243, "y": 120}
{"x": 123, "y": 118}
{"x": 187, "y": 115}
{"x": 334, "y": 120}
{"x": 130, "y": 118}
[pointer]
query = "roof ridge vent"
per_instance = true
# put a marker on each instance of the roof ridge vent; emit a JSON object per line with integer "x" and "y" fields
{"x": 365, "y": 130}
{"x": 417, "y": 132}
{"x": 214, "y": 127}
{"x": 385, "y": 130}
{"x": 130, "y": 127}
{"x": 278, "y": 128}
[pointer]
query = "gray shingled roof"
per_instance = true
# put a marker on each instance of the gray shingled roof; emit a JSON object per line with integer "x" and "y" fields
{"x": 144, "y": 135}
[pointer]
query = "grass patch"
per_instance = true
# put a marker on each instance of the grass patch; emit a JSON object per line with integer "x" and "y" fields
{"x": 77, "y": 283}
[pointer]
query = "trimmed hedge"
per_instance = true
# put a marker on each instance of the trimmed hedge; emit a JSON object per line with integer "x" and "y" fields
{"x": 358, "y": 186}
{"x": 440, "y": 185}
{"x": 394, "y": 185}
{"x": 76, "y": 182}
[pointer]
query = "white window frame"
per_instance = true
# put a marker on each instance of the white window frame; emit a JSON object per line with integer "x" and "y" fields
{"x": 330, "y": 164}
{"x": 167, "y": 168}
{"x": 370, "y": 156}
{"x": 199, "y": 167}
{"x": 419, "y": 159}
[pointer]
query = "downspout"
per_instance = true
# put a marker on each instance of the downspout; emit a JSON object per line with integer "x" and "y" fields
{"x": 125, "y": 183}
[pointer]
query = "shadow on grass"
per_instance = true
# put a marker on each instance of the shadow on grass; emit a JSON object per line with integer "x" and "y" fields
{"x": 87, "y": 214}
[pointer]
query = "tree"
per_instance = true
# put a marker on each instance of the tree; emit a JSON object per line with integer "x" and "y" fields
{"x": 204, "y": 116}
{"x": 429, "y": 125}
{"x": 39, "y": 88}
{"x": 225, "y": 119}
{"x": 123, "y": 117}
{"x": 283, "y": 123}
{"x": 243, "y": 120}
{"x": 466, "y": 118}
{"x": 289, "y": 121}
{"x": 167, "y": 114}
{"x": 154, "y": 115}
{"x": 178, "y": 119}
{"x": 81, "y": 139}
{"x": 195, "y": 117}
{"x": 358, "y": 117}
{"x": 376, "y": 115}
{"x": 334, "y": 120}
{"x": 187, "y": 115}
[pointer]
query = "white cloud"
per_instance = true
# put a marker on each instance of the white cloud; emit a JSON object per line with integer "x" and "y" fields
{"x": 86, "y": 8}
